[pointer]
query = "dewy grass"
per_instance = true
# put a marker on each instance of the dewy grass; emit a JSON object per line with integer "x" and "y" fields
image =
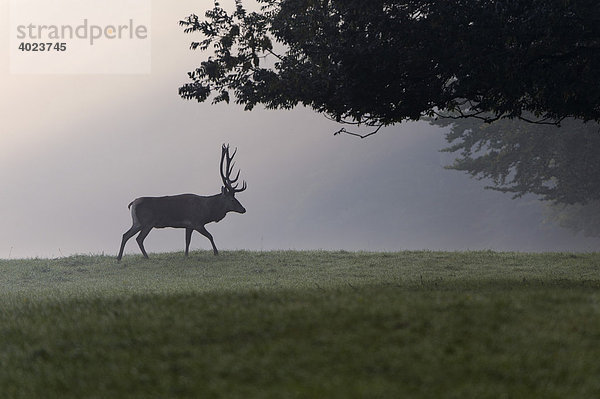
{"x": 302, "y": 324}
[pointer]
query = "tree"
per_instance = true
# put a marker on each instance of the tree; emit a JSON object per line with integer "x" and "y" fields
{"x": 577, "y": 217}
{"x": 380, "y": 62}
{"x": 558, "y": 164}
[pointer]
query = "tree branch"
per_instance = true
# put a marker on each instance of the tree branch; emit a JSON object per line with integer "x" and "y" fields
{"x": 543, "y": 121}
{"x": 362, "y": 136}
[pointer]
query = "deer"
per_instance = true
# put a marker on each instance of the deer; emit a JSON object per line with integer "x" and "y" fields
{"x": 188, "y": 211}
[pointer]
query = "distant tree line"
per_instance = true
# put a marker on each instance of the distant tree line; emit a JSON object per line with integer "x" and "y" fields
{"x": 558, "y": 164}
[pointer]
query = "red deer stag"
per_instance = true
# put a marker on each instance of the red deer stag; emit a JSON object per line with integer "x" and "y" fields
{"x": 187, "y": 211}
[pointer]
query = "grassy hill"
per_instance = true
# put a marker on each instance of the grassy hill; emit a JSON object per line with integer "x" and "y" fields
{"x": 301, "y": 324}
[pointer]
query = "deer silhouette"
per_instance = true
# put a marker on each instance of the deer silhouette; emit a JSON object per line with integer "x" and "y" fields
{"x": 187, "y": 211}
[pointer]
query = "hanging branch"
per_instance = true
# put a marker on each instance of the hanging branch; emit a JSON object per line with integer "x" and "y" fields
{"x": 362, "y": 136}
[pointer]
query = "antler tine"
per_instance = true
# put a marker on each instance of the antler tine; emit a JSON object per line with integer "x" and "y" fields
{"x": 234, "y": 152}
{"x": 224, "y": 151}
{"x": 236, "y": 177}
{"x": 241, "y": 189}
{"x": 229, "y": 159}
{"x": 228, "y": 170}
{"x": 230, "y": 164}
{"x": 230, "y": 167}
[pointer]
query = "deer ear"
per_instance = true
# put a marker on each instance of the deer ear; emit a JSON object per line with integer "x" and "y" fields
{"x": 223, "y": 190}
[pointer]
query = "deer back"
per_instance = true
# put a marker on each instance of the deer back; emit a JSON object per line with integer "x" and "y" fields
{"x": 184, "y": 210}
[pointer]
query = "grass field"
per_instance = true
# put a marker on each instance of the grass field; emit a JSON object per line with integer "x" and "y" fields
{"x": 302, "y": 325}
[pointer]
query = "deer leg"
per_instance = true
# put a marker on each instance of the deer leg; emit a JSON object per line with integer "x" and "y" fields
{"x": 140, "y": 240}
{"x": 128, "y": 234}
{"x": 188, "y": 239}
{"x": 202, "y": 230}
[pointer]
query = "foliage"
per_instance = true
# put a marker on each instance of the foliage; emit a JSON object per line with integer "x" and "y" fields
{"x": 304, "y": 324}
{"x": 577, "y": 217}
{"x": 385, "y": 61}
{"x": 559, "y": 164}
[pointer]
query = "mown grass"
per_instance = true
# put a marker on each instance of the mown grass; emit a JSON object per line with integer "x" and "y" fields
{"x": 302, "y": 324}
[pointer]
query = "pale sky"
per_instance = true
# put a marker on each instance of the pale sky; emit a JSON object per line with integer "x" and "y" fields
{"x": 76, "y": 149}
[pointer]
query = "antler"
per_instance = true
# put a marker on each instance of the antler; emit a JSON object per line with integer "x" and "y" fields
{"x": 230, "y": 184}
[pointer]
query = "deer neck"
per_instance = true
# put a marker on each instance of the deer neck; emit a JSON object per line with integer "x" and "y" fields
{"x": 217, "y": 208}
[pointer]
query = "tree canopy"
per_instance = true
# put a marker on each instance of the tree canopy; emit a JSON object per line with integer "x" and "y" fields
{"x": 558, "y": 164}
{"x": 380, "y": 62}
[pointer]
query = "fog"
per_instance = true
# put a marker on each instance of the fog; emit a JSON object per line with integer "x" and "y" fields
{"x": 76, "y": 149}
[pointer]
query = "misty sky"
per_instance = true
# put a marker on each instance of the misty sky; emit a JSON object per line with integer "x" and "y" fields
{"x": 76, "y": 149}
